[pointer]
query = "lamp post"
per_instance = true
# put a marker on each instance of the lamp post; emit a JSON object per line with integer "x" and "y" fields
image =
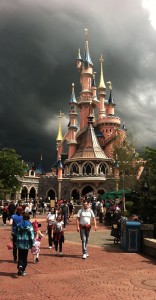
{"x": 145, "y": 190}
{"x": 123, "y": 191}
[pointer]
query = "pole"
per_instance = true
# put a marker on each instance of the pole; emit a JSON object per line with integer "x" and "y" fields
{"x": 123, "y": 187}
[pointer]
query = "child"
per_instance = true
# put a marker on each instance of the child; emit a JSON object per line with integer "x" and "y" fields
{"x": 37, "y": 237}
{"x": 58, "y": 234}
{"x": 51, "y": 219}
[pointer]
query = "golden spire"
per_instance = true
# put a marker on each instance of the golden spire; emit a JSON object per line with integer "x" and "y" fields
{"x": 110, "y": 85}
{"x": 59, "y": 135}
{"x": 86, "y": 35}
{"x": 102, "y": 83}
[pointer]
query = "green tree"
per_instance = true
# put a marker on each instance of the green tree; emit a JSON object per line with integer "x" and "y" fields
{"x": 150, "y": 168}
{"x": 128, "y": 161}
{"x": 11, "y": 166}
{"x": 149, "y": 177}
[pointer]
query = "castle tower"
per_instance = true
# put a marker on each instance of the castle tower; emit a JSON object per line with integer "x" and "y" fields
{"x": 72, "y": 143}
{"x": 59, "y": 137}
{"x": 111, "y": 104}
{"x": 102, "y": 91}
{"x": 85, "y": 66}
{"x": 59, "y": 176}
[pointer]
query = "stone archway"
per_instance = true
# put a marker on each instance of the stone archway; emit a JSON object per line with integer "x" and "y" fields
{"x": 101, "y": 191}
{"x": 51, "y": 194}
{"x": 32, "y": 193}
{"x": 87, "y": 189}
{"x": 75, "y": 195}
{"x": 24, "y": 193}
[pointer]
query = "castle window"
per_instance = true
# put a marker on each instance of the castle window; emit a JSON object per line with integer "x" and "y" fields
{"x": 74, "y": 169}
{"x": 88, "y": 169}
{"x": 103, "y": 169}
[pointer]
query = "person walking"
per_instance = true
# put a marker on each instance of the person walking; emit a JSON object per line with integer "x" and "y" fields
{"x": 14, "y": 220}
{"x": 51, "y": 218}
{"x": 5, "y": 213}
{"x": 24, "y": 242}
{"x": 58, "y": 234}
{"x": 34, "y": 209}
{"x": 84, "y": 217}
{"x": 37, "y": 237}
{"x": 11, "y": 209}
{"x": 65, "y": 212}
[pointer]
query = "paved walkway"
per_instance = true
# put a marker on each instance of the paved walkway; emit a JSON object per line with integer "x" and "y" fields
{"x": 108, "y": 273}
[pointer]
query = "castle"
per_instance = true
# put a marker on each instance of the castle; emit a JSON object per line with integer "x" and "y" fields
{"x": 85, "y": 158}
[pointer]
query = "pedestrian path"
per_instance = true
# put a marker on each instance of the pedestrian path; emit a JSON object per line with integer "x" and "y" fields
{"x": 108, "y": 273}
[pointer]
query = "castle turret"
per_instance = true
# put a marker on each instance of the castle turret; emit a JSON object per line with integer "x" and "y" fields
{"x": 59, "y": 176}
{"x": 111, "y": 103}
{"x": 59, "y": 136}
{"x": 102, "y": 91}
{"x": 72, "y": 124}
{"x": 94, "y": 89}
{"x": 86, "y": 78}
{"x": 79, "y": 60}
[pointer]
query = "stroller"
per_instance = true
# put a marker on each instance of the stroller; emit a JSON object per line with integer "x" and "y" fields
{"x": 116, "y": 232}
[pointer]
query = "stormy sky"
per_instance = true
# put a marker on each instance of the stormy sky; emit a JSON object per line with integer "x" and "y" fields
{"x": 38, "y": 49}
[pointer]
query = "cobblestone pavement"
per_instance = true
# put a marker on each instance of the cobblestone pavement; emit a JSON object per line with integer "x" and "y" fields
{"x": 108, "y": 273}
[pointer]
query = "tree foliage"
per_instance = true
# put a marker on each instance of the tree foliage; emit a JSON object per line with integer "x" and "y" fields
{"x": 150, "y": 168}
{"x": 128, "y": 160}
{"x": 11, "y": 166}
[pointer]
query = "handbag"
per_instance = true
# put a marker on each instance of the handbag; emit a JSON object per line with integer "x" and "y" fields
{"x": 10, "y": 245}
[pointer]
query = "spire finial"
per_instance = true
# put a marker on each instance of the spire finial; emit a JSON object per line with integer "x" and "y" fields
{"x": 59, "y": 135}
{"x": 87, "y": 59}
{"x": 101, "y": 60}
{"x": 102, "y": 83}
{"x": 110, "y": 85}
{"x": 72, "y": 98}
{"x": 86, "y": 35}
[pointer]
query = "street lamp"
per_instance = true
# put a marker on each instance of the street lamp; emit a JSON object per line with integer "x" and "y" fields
{"x": 145, "y": 190}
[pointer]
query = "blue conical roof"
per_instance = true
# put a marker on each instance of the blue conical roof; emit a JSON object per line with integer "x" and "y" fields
{"x": 72, "y": 98}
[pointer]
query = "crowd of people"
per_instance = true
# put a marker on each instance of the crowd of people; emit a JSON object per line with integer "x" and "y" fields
{"x": 27, "y": 235}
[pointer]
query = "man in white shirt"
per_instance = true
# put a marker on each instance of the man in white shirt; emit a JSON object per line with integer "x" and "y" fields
{"x": 84, "y": 217}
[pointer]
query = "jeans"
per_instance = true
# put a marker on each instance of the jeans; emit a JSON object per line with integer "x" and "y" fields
{"x": 56, "y": 245}
{"x": 65, "y": 217}
{"x": 84, "y": 235}
{"x": 50, "y": 241}
{"x": 14, "y": 247}
{"x": 22, "y": 258}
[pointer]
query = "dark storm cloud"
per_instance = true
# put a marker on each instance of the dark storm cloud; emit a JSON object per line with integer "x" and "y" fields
{"x": 39, "y": 43}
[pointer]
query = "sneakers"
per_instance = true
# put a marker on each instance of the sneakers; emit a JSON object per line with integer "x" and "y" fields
{"x": 84, "y": 256}
{"x": 24, "y": 273}
{"x": 61, "y": 253}
{"x": 55, "y": 252}
{"x": 50, "y": 247}
{"x": 20, "y": 270}
{"x": 87, "y": 254}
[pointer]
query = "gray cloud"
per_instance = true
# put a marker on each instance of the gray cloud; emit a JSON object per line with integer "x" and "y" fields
{"x": 39, "y": 43}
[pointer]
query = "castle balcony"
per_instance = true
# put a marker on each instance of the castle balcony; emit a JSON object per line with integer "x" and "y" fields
{"x": 79, "y": 178}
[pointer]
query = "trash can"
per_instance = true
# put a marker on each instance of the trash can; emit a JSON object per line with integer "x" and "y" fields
{"x": 131, "y": 236}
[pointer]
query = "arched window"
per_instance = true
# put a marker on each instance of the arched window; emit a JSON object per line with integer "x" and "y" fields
{"x": 88, "y": 169}
{"x": 103, "y": 169}
{"x": 74, "y": 169}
